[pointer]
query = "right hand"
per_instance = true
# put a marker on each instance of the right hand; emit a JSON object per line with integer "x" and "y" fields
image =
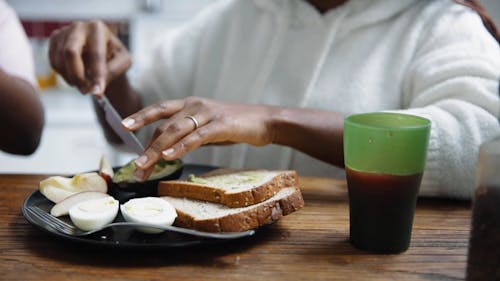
{"x": 88, "y": 55}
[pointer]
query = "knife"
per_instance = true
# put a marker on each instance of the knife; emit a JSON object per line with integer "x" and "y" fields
{"x": 115, "y": 120}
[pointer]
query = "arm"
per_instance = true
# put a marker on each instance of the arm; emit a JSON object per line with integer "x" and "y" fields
{"x": 21, "y": 113}
{"x": 454, "y": 82}
{"x": 315, "y": 132}
{"x": 318, "y": 133}
{"x": 90, "y": 57}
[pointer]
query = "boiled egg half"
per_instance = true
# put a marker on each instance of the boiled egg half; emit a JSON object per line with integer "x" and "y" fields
{"x": 94, "y": 213}
{"x": 149, "y": 210}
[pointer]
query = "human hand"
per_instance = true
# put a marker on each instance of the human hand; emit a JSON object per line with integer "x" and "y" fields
{"x": 88, "y": 55}
{"x": 213, "y": 122}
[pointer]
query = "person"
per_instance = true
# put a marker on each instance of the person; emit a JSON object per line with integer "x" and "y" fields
{"x": 21, "y": 110}
{"x": 277, "y": 78}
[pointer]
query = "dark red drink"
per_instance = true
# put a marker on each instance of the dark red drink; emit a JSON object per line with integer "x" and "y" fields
{"x": 484, "y": 246}
{"x": 381, "y": 210}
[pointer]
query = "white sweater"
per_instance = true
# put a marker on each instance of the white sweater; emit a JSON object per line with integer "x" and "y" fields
{"x": 16, "y": 57}
{"x": 431, "y": 58}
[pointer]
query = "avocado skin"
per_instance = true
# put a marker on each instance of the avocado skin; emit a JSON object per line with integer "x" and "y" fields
{"x": 124, "y": 191}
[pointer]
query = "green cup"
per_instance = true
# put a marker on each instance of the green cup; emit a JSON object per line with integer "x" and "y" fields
{"x": 384, "y": 156}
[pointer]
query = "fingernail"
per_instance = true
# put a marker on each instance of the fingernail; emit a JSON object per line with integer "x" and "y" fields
{"x": 128, "y": 122}
{"x": 168, "y": 152}
{"x": 96, "y": 90}
{"x": 141, "y": 161}
{"x": 139, "y": 175}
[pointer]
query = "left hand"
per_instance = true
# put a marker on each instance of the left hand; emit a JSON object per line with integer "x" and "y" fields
{"x": 218, "y": 123}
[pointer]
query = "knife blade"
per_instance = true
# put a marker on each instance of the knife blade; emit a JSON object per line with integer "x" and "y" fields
{"x": 114, "y": 120}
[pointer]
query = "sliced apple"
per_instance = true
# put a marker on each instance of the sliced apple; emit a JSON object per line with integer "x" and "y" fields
{"x": 57, "y": 181}
{"x": 89, "y": 182}
{"x": 62, "y": 208}
{"x": 58, "y": 188}
{"x": 105, "y": 170}
{"x": 55, "y": 194}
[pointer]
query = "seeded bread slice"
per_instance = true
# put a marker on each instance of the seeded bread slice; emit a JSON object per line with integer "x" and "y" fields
{"x": 231, "y": 188}
{"x": 212, "y": 217}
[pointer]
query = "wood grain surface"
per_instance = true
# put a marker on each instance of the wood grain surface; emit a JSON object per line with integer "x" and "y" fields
{"x": 311, "y": 244}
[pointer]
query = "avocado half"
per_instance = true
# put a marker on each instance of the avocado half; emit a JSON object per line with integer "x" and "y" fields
{"x": 126, "y": 187}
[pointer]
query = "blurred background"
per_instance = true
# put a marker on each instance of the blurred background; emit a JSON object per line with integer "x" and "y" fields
{"x": 72, "y": 141}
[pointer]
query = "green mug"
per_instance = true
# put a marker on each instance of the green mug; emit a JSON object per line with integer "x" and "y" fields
{"x": 384, "y": 155}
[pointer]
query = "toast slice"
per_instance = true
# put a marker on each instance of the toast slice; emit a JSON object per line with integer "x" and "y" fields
{"x": 233, "y": 188}
{"x": 213, "y": 217}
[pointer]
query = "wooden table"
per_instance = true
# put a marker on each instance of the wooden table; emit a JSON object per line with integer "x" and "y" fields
{"x": 311, "y": 244}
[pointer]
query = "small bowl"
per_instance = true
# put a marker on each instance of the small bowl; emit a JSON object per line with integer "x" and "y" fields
{"x": 124, "y": 187}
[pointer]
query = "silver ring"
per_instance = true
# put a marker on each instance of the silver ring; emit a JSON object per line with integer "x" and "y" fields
{"x": 196, "y": 124}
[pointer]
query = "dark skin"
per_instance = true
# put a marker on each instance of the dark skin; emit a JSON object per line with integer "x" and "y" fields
{"x": 324, "y": 6}
{"x": 22, "y": 115}
{"x": 91, "y": 58}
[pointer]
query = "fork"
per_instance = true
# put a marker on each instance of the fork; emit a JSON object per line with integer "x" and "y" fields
{"x": 66, "y": 228}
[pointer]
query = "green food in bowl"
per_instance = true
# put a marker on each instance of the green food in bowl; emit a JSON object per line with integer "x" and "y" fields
{"x": 125, "y": 187}
{"x": 161, "y": 170}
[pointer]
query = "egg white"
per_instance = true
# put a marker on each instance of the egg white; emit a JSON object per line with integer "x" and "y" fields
{"x": 94, "y": 213}
{"x": 150, "y": 210}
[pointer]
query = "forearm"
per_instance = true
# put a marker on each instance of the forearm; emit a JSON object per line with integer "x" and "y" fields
{"x": 22, "y": 115}
{"x": 318, "y": 133}
{"x": 125, "y": 100}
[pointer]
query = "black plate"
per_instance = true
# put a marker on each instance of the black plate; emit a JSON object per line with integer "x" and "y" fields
{"x": 121, "y": 237}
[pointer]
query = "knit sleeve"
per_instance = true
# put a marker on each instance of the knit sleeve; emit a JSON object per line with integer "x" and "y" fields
{"x": 454, "y": 82}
